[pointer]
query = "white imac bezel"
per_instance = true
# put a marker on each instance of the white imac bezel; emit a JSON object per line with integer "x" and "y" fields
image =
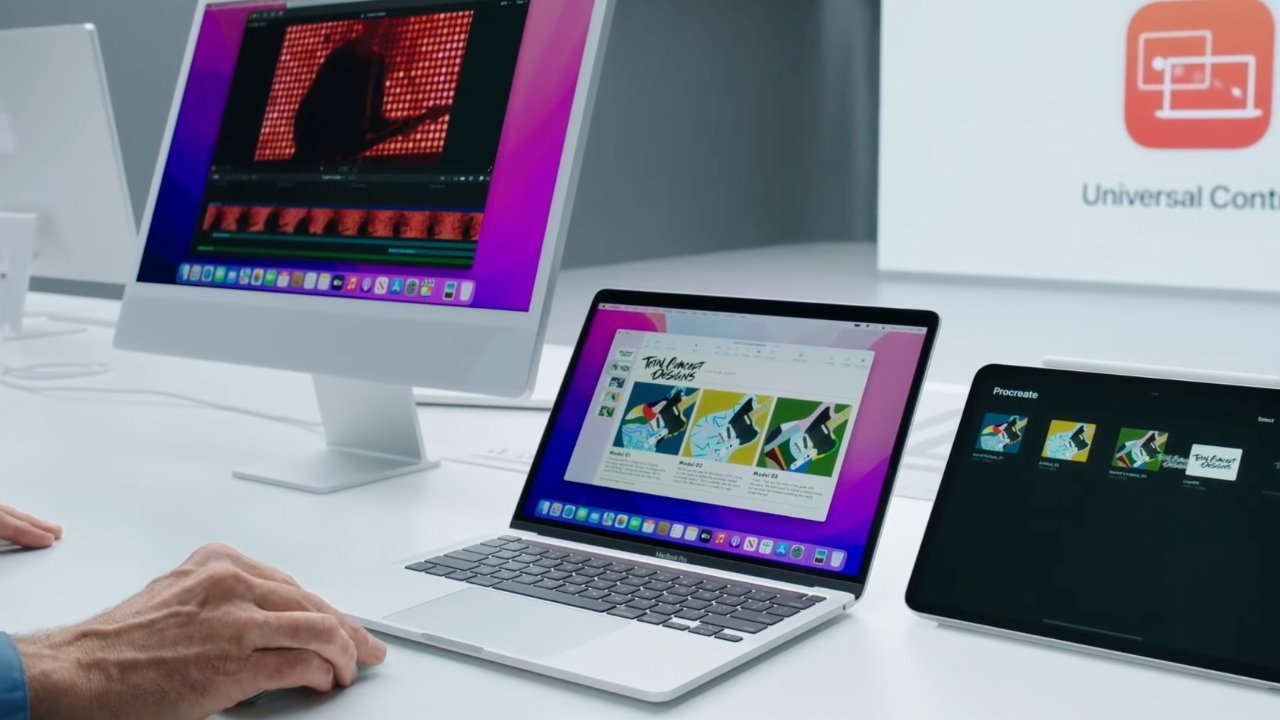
{"x": 448, "y": 348}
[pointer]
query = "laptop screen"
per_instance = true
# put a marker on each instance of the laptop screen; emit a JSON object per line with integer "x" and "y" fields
{"x": 1135, "y": 515}
{"x": 761, "y": 438}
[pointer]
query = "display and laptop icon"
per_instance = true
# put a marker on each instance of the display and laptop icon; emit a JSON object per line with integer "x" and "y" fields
{"x": 1199, "y": 73}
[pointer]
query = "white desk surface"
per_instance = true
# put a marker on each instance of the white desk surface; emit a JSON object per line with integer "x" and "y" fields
{"x": 139, "y": 483}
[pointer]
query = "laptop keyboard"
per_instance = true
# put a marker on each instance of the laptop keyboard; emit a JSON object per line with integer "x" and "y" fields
{"x": 687, "y": 602}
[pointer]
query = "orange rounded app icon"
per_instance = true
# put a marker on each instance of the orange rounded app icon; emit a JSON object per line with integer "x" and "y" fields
{"x": 1199, "y": 73}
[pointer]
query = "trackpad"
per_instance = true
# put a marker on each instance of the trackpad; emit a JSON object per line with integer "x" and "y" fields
{"x": 507, "y": 623}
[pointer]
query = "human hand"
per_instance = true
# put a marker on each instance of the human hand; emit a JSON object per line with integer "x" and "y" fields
{"x": 219, "y": 629}
{"x": 26, "y": 530}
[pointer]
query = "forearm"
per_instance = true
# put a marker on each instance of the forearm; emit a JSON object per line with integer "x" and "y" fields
{"x": 58, "y": 680}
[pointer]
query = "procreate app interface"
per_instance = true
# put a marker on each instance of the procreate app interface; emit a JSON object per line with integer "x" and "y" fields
{"x": 1140, "y": 514}
{"x": 744, "y": 434}
{"x": 1199, "y": 73}
{"x": 396, "y": 151}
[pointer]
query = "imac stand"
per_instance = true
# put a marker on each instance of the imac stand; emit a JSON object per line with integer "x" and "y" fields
{"x": 371, "y": 434}
{"x": 17, "y": 248}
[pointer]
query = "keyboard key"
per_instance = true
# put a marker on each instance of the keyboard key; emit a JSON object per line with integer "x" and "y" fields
{"x": 793, "y": 603}
{"x": 620, "y": 568}
{"x": 756, "y": 606}
{"x": 641, "y": 572}
{"x": 760, "y": 595}
{"x": 611, "y": 576}
{"x": 706, "y": 595}
{"x": 577, "y": 601}
{"x": 419, "y": 566}
{"x": 465, "y": 556}
{"x": 493, "y": 562}
{"x": 577, "y": 559}
{"x": 571, "y": 589}
{"x": 498, "y": 542}
{"x": 506, "y": 575}
{"x": 534, "y": 550}
{"x": 659, "y": 586}
{"x": 557, "y": 575}
{"x": 440, "y": 570}
{"x": 548, "y": 563}
{"x": 671, "y": 599}
{"x": 695, "y": 604}
{"x": 484, "y": 570}
{"x": 682, "y": 591}
{"x": 505, "y": 554}
{"x": 646, "y": 594}
{"x": 690, "y": 615}
{"x": 734, "y": 591}
{"x": 782, "y": 611}
{"x": 666, "y": 609}
{"x": 515, "y": 546}
{"x": 548, "y": 584}
{"x": 557, "y": 554}
{"x": 641, "y": 604}
{"x": 732, "y": 623}
{"x": 515, "y": 566}
{"x": 460, "y": 575}
{"x": 570, "y": 567}
{"x": 729, "y": 637}
{"x": 577, "y": 580}
{"x": 595, "y": 594}
{"x": 616, "y": 599}
{"x": 538, "y": 571}
{"x": 815, "y": 598}
{"x": 528, "y": 579}
{"x": 755, "y": 617}
{"x": 484, "y": 581}
{"x": 634, "y": 581}
{"x": 721, "y": 610}
{"x": 712, "y": 586}
{"x": 481, "y": 549}
{"x": 663, "y": 577}
{"x": 654, "y": 619}
{"x": 454, "y": 563}
{"x": 600, "y": 585}
{"x": 590, "y": 572}
{"x": 626, "y": 612}
{"x": 507, "y": 539}
{"x": 597, "y": 564}
{"x": 688, "y": 581}
{"x": 526, "y": 558}
{"x": 708, "y": 630}
{"x": 674, "y": 625}
{"x": 731, "y": 601}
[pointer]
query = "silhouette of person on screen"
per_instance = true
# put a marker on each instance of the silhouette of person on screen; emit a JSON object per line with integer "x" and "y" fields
{"x": 341, "y": 117}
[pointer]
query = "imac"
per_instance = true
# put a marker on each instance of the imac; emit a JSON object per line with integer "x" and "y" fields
{"x": 65, "y": 214}
{"x": 375, "y": 193}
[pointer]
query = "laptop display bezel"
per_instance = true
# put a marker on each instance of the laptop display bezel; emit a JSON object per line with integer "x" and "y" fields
{"x": 763, "y": 568}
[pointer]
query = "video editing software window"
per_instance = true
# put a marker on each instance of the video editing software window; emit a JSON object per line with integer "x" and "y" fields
{"x": 392, "y": 150}
{"x": 760, "y": 438}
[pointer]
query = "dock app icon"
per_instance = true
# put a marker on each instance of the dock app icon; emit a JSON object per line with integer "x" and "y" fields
{"x": 1199, "y": 73}
{"x": 1213, "y": 462}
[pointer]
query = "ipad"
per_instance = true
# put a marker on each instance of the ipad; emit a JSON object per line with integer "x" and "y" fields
{"x": 1125, "y": 515}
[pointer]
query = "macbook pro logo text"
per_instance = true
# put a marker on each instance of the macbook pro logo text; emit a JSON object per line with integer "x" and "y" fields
{"x": 671, "y": 556}
{"x": 1199, "y": 73}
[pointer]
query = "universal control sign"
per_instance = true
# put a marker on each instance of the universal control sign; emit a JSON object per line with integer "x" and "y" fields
{"x": 1122, "y": 141}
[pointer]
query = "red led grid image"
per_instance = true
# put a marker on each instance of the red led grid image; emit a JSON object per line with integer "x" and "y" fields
{"x": 423, "y": 56}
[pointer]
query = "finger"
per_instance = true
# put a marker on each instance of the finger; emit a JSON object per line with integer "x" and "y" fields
{"x": 51, "y": 528}
{"x": 321, "y": 634}
{"x": 280, "y": 598}
{"x": 23, "y": 534}
{"x": 283, "y": 669}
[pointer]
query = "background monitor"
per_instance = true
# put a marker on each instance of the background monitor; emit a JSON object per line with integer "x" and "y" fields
{"x": 372, "y": 192}
{"x": 60, "y": 158}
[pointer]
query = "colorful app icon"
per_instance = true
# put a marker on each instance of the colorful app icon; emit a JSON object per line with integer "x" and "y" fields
{"x": 220, "y": 274}
{"x": 820, "y": 557}
{"x": 735, "y": 541}
{"x": 704, "y": 536}
{"x": 366, "y": 284}
{"x": 555, "y": 509}
{"x": 634, "y": 523}
{"x": 582, "y": 514}
{"x": 324, "y": 282}
{"x": 677, "y": 530}
{"x": 1002, "y": 432}
{"x": 837, "y": 558}
{"x": 206, "y": 274}
{"x": 450, "y": 290}
{"x": 296, "y": 280}
{"x": 766, "y": 547}
{"x": 397, "y": 286}
{"x": 648, "y": 527}
{"x": 381, "y": 285}
{"x": 750, "y": 544}
{"x": 594, "y": 517}
{"x": 621, "y": 521}
{"x": 797, "y": 552}
{"x": 270, "y": 278}
{"x": 310, "y": 280}
{"x": 428, "y": 287}
{"x": 196, "y": 272}
{"x": 245, "y": 275}
{"x": 544, "y": 507}
{"x": 1140, "y": 449}
{"x": 664, "y": 528}
{"x": 691, "y": 533}
{"x": 338, "y": 282}
{"x": 353, "y": 283}
{"x": 183, "y": 271}
{"x": 780, "y": 549}
{"x": 608, "y": 519}
{"x": 1199, "y": 73}
{"x": 258, "y": 275}
{"x": 568, "y": 512}
{"x": 721, "y": 538}
{"x": 466, "y": 291}
{"x": 283, "y": 279}
{"x": 411, "y": 288}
